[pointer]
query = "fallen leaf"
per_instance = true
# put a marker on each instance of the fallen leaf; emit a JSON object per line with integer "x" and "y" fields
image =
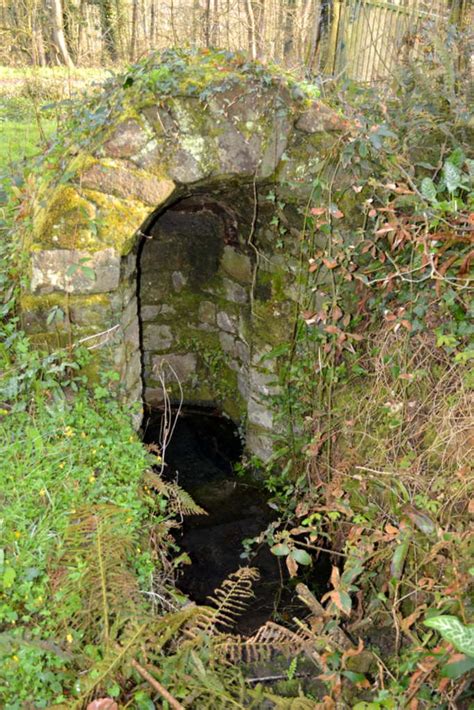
{"x": 329, "y": 263}
{"x": 292, "y": 566}
{"x": 103, "y": 704}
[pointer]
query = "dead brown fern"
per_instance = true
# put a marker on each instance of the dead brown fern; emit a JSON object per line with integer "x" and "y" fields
{"x": 180, "y": 502}
{"x": 97, "y": 548}
{"x": 230, "y": 601}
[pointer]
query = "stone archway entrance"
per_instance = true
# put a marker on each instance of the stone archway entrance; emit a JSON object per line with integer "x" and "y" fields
{"x": 194, "y": 293}
{"x": 166, "y": 196}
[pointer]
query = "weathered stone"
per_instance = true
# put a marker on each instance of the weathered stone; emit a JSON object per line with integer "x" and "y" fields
{"x": 259, "y": 414}
{"x": 237, "y": 154}
{"x": 124, "y": 180}
{"x": 74, "y": 271}
{"x": 207, "y": 312}
{"x": 182, "y": 366}
{"x": 154, "y": 396}
{"x": 130, "y": 311}
{"x": 148, "y": 313}
{"x": 91, "y": 312}
{"x": 185, "y": 167}
{"x": 179, "y": 280}
{"x": 259, "y": 443}
{"x": 319, "y": 118}
{"x": 237, "y": 265}
{"x": 234, "y": 292}
{"x": 131, "y": 334}
{"x": 157, "y": 337}
{"x": 234, "y": 347}
{"x": 133, "y": 370}
{"x": 129, "y": 267}
{"x": 243, "y": 384}
{"x": 150, "y": 158}
{"x": 262, "y": 383}
{"x": 160, "y": 119}
{"x": 128, "y": 138}
{"x": 229, "y": 324}
{"x": 276, "y": 144}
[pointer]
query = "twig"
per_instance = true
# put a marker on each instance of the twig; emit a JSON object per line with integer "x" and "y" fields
{"x": 270, "y": 678}
{"x": 157, "y": 686}
{"x": 98, "y": 335}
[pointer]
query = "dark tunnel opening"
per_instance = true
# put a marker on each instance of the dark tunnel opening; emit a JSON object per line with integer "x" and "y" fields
{"x": 201, "y": 457}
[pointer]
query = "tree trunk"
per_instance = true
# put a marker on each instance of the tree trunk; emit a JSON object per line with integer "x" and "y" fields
{"x": 133, "y": 41}
{"x": 251, "y": 29}
{"x": 59, "y": 38}
{"x": 108, "y": 29}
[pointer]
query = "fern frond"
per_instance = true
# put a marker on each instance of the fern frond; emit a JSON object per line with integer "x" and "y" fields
{"x": 97, "y": 548}
{"x": 230, "y": 601}
{"x": 181, "y": 503}
{"x": 279, "y": 702}
{"x": 150, "y": 634}
{"x": 269, "y": 639}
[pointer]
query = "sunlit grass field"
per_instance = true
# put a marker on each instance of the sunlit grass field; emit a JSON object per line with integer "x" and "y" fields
{"x": 28, "y": 117}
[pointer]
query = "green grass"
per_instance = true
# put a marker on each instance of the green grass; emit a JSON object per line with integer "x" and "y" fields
{"x": 24, "y": 124}
{"x": 21, "y": 140}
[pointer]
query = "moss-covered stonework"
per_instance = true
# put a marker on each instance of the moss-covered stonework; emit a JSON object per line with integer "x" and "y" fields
{"x": 185, "y": 150}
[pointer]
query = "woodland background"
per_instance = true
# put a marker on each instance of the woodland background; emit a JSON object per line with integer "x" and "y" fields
{"x": 363, "y": 38}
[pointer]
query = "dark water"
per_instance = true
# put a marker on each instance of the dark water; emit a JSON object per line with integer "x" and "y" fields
{"x": 201, "y": 457}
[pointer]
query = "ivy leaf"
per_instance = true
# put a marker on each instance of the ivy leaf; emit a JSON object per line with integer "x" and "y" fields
{"x": 89, "y": 272}
{"x": 428, "y": 189}
{"x": 454, "y": 631}
{"x": 72, "y": 269}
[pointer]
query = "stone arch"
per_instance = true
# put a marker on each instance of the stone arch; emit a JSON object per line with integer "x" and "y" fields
{"x": 247, "y": 135}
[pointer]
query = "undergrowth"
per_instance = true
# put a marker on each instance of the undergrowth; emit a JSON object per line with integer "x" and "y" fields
{"x": 372, "y": 462}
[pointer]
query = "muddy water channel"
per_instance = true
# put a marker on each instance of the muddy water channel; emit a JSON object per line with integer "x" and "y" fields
{"x": 201, "y": 457}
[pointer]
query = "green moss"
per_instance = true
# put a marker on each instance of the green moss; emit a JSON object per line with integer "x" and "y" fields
{"x": 65, "y": 221}
{"x": 117, "y": 220}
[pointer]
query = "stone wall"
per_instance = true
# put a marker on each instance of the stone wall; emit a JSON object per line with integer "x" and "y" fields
{"x": 211, "y": 287}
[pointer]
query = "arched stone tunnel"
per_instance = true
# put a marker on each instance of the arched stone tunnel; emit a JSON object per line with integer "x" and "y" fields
{"x": 162, "y": 251}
